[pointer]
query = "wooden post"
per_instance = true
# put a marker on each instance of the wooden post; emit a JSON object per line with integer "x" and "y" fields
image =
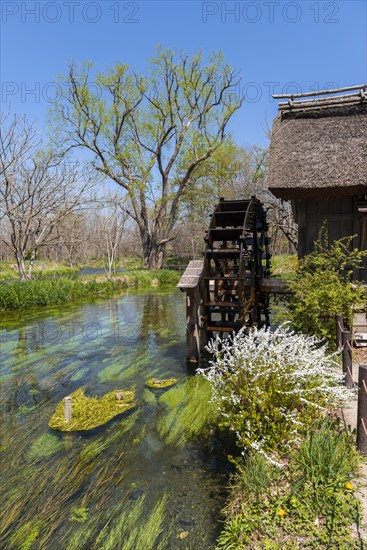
{"x": 362, "y": 410}
{"x": 68, "y": 414}
{"x": 347, "y": 358}
{"x": 192, "y": 352}
{"x": 339, "y": 322}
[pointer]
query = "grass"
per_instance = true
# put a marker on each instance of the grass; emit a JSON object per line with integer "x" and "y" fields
{"x": 284, "y": 265}
{"x": 90, "y": 412}
{"x": 46, "y": 292}
{"x": 120, "y": 263}
{"x": 311, "y": 503}
{"x": 42, "y": 268}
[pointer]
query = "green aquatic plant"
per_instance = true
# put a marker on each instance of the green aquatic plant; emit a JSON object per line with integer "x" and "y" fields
{"x": 26, "y": 536}
{"x": 91, "y": 412}
{"x": 189, "y": 413}
{"x": 36, "y": 493}
{"x": 157, "y": 384}
{"x": 132, "y": 525}
{"x": 46, "y": 445}
{"x": 134, "y": 530}
{"x": 150, "y": 397}
{"x": 80, "y": 515}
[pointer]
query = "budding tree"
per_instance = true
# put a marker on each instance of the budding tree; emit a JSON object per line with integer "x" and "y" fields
{"x": 150, "y": 134}
{"x": 110, "y": 224}
{"x": 38, "y": 189}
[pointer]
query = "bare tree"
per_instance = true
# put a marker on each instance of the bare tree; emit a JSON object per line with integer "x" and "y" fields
{"x": 71, "y": 233}
{"x": 38, "y": 189}
{"x": 111, "y": 223}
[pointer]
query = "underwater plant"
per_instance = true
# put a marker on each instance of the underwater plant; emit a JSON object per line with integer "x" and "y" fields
{"x": 91, "y": 412}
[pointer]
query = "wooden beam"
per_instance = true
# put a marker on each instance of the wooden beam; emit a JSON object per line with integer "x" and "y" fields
{"x": 322, "y": 92}
{"x": 274, "y": 286}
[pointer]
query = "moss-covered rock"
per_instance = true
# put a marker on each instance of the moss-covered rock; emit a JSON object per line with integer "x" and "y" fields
{"x": 157, "y": 384}
{"x": 92, "y": 412}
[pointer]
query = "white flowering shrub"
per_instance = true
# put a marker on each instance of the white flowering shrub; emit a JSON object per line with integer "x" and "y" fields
{"x": 270, "y": 386}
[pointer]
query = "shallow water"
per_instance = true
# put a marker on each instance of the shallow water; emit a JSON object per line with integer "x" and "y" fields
{"x": 77, "y": 490}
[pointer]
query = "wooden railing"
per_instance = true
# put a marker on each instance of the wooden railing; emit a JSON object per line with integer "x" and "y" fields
{"x": 344, "y": 341}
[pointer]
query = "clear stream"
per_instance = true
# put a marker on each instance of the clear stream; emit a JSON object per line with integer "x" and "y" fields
{"x": 139, "y": 482}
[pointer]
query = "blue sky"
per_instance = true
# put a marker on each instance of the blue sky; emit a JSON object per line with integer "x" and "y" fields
{"x": 276, "y": 45}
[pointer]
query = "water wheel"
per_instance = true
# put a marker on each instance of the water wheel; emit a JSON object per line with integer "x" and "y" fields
{"x": 236, "y": 262}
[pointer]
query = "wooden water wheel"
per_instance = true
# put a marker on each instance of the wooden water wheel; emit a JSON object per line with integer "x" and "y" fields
{"x": 236, "y": 261}
{"x": 230, "y": 288}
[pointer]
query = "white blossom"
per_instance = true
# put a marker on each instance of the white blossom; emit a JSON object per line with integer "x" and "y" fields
{"x": 298, "y": 370}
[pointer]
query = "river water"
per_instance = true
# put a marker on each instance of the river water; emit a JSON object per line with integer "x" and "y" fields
{"x": 143, "y": 480}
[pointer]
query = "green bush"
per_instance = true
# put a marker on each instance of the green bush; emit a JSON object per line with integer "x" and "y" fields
{"x": 322, "y": 288}
{"x": 269, "y": 386}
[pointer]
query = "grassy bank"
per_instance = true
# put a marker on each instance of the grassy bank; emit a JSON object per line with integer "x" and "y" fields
{"x": 121, "y": 263}
{"x": 44, "y": 268}
{"x": 46, "y": 292}
{"x": 310, "y": 503}
{"x": 284, "y": 265}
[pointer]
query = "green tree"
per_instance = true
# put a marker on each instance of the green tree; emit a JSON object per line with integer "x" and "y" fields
{"x": 150, "y": 134}
{"x": 232, "y": 172}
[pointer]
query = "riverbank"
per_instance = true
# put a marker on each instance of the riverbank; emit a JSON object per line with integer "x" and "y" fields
{"x": 42, "y": 268}
{"x": 46, "y": 292}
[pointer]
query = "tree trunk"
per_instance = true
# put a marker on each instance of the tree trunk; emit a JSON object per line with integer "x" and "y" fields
{"x": 21, "y": 265}
{"x": 31, "y": 263}
{"x": 155, "y": 256}
{"x": 153, "y": 252}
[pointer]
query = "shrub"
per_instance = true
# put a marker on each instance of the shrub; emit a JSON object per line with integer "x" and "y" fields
{"x": 322, "y": 288}
{"x": 269, "y": 386}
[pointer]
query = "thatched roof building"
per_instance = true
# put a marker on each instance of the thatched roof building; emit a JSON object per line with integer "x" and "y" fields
{"x": 319, "y": 147}
{"x": 318, "y": 161}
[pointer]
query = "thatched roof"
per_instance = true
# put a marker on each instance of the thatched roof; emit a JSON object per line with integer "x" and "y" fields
{"x": 319, "y": 148}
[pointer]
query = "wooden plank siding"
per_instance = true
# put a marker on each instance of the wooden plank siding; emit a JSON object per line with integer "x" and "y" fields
{"x": 342, "y": 217}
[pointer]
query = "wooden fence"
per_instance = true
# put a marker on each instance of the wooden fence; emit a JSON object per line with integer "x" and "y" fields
{"x": 344, "y": 341}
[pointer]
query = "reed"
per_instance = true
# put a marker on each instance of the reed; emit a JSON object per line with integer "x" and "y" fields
{"x": 46, "y": 292}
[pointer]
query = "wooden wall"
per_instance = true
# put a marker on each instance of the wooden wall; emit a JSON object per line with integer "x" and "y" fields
{"x": 342, "y": 216}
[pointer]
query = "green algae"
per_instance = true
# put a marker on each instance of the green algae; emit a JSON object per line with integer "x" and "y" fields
{"x": 45, "y": 446}
{"x": 80, "y": 515}
{"x": 157, "y": 384}
{"x": 90, "y": 412}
